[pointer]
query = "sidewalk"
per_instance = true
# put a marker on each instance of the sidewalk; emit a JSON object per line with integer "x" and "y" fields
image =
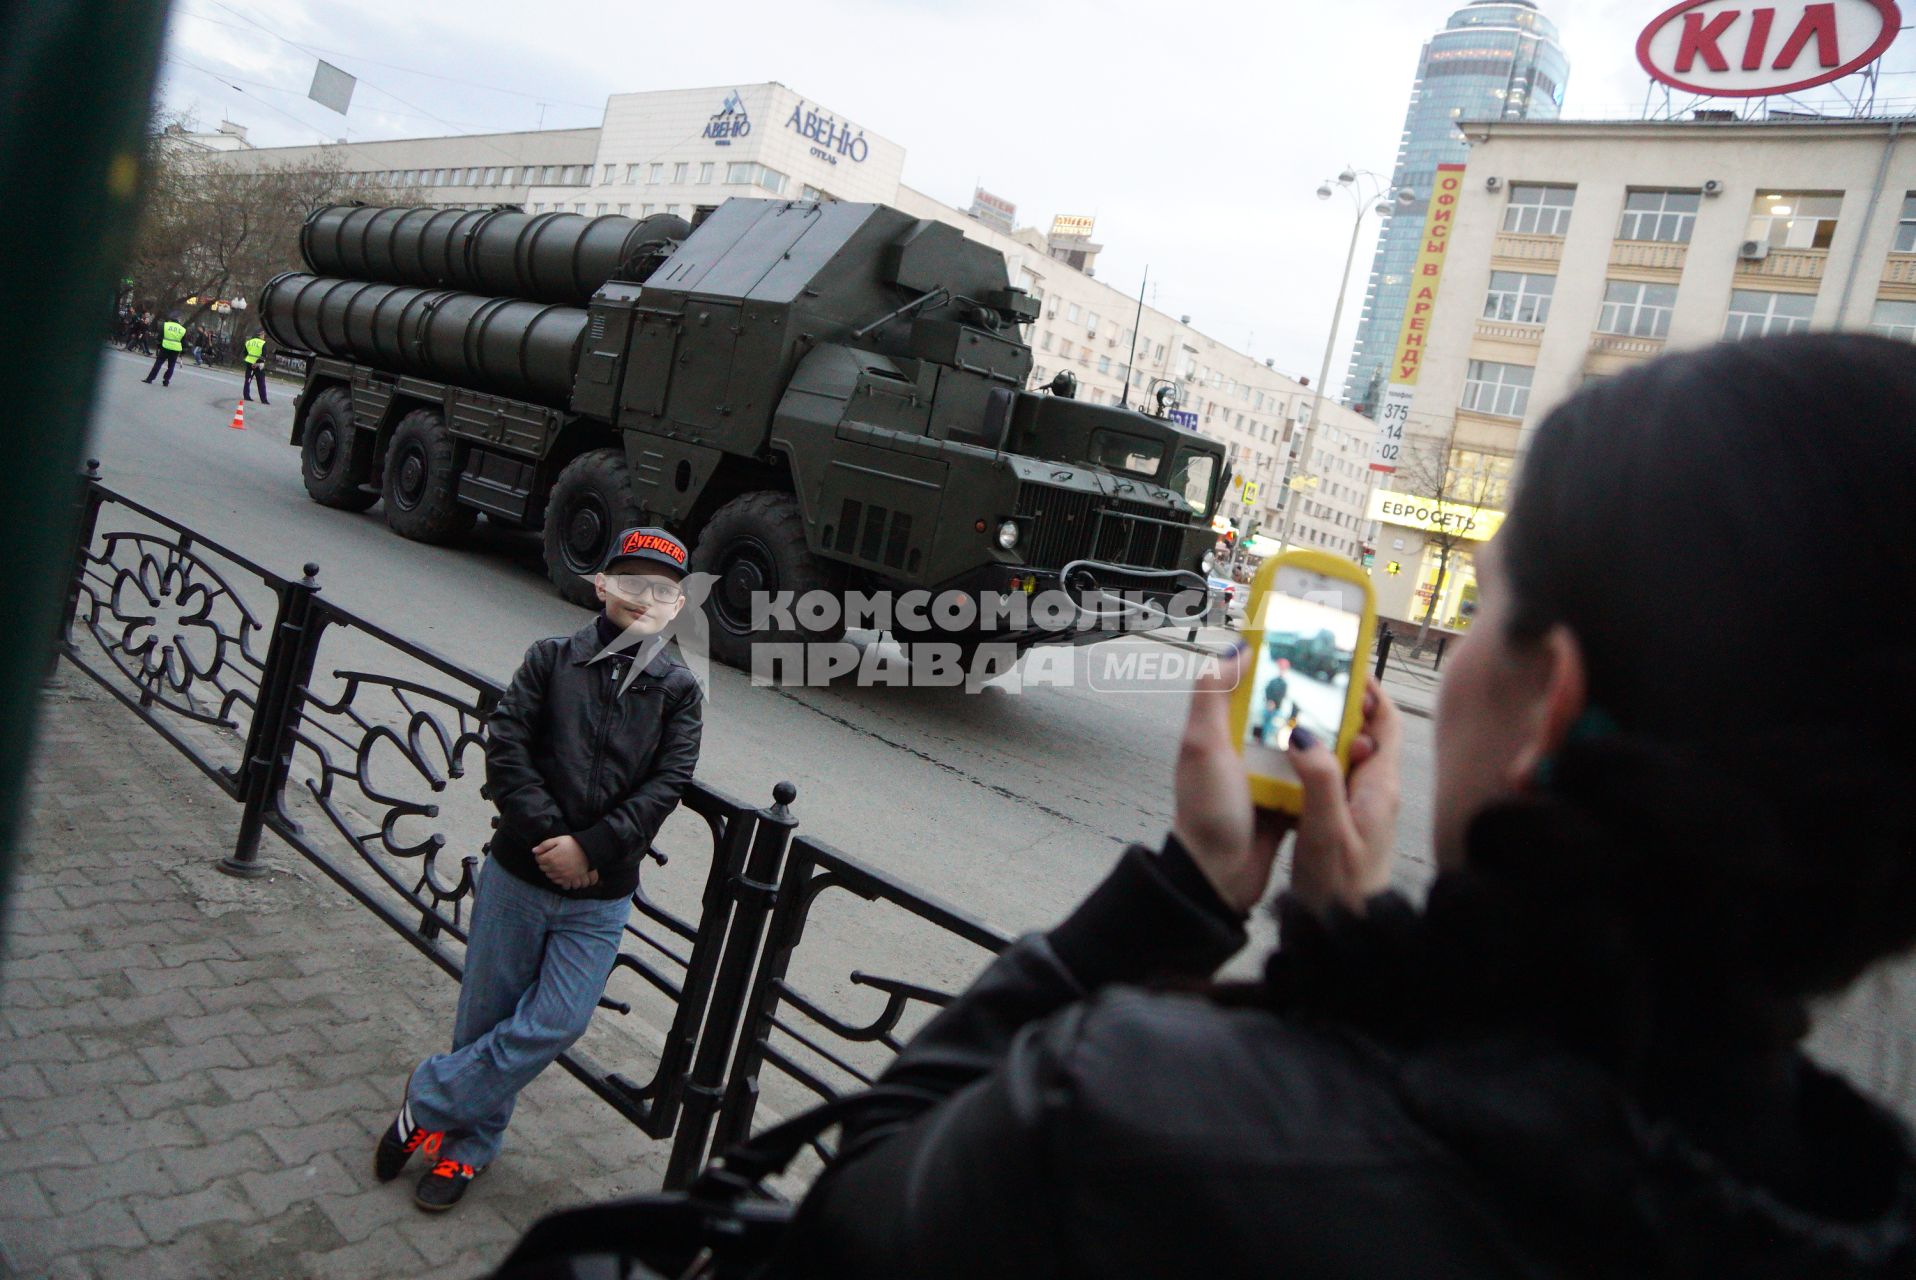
{"x": 193, "y": 1068}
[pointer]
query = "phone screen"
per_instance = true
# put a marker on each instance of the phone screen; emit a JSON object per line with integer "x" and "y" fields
{"x": 1305, "y": 657}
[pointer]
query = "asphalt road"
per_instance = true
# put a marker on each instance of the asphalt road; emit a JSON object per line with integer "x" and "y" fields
{"x": 1010, "y": 804}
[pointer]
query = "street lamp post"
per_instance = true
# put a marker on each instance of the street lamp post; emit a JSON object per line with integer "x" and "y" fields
{"x": 1350, "y": 181}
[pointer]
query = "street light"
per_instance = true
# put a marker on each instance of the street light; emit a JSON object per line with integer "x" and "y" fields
{"x": 1388, "y": 199}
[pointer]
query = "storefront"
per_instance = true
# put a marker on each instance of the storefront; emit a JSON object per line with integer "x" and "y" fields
{"x": 1411, "y": 557}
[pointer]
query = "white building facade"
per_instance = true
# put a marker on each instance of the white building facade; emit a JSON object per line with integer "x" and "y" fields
{"x": 1581, "y": 249}
{"x": 675, "y": 151}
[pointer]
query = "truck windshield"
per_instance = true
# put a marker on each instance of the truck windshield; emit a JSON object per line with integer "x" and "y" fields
{"x": 1191, "y": 479}
{"x": 1139, "y": 455}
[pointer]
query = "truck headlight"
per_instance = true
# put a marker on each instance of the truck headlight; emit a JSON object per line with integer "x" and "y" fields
{"x": 1008, "y": 535}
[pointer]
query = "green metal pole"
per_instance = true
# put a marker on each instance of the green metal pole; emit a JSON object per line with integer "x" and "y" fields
{"x": 76, "y": 90}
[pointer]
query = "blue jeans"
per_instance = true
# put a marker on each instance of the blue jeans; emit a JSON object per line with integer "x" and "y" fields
{"x": 536, "y": 964}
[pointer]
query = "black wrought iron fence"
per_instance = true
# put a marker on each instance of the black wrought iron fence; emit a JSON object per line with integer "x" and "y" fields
{"x": 364, "y": 752}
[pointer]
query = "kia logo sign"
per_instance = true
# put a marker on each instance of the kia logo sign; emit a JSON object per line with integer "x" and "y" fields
{"x": 1751, "y": 49}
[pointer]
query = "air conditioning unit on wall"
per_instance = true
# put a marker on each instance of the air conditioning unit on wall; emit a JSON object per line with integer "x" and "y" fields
{"x": 1753, "y": 250}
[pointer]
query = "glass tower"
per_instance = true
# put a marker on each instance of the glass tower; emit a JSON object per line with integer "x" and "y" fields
{"x": 1494, "y": 60}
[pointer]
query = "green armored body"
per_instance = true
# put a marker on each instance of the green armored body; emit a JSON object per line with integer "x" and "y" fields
{"x": 816, "y": 396}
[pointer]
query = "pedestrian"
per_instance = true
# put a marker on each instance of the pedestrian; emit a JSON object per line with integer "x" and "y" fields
{"x": 1580, "y": 1056}
{"x": 255, "y": 368}
{"x": 585, "y": 759}
{"x": 172, "y": 339}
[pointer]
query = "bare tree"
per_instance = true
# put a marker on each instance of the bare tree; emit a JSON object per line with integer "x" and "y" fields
{"x": 213, "y": 230}
{"x": 1434, "y": 470}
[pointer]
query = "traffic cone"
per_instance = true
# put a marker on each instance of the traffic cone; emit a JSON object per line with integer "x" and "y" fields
{"x": 239, "y": 416}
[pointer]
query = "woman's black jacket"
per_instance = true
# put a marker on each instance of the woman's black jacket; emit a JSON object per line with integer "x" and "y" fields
{"x": 1092, "y": 1127}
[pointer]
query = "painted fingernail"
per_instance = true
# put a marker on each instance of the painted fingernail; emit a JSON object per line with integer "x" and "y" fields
{"x": 1303, "y": 739}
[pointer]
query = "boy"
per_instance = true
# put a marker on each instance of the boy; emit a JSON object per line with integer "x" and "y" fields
{"x": 585, "y": 759}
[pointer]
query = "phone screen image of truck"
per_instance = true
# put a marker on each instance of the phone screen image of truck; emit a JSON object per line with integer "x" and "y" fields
{"x": 1301, "y": 679}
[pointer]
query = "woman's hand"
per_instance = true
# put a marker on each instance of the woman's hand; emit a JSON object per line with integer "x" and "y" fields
{"x": 1233, "y": 842}
{"x": 1347, "y": 837}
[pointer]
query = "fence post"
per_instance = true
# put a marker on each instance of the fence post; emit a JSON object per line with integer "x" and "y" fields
{"x": 754, "y": 890}
{"x": 1383, "y": 649}
{"x": 90, "y": 500}
{"x": 782, "y": 938}
{"x": 269, "y": 738}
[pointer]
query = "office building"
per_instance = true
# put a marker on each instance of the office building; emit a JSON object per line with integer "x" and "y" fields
{"x": 1583, "y": 249}
{"x": 1494, "y": 60}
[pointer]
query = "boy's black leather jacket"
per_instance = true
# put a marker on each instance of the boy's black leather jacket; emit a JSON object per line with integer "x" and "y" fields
{"x": 568, "y": 754}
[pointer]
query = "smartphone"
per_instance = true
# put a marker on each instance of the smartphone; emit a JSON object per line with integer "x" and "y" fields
{"x": 1310, "y": 617}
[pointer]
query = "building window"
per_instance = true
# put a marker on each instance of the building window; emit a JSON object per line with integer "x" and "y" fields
{"x": 645, "y": 210}
{"x": 625, "y": 209}
{"x": 1104, "y": 364}
{"x": 599, "y": 209}
{"x": 1797, "y": 219}
{"x": 1073, "y": 314}
{"x": 682, "y": 173}
{"x": 492, "y": 176}
{"x": 1668, "y": 216}
{"x": 1755, "y": 315}
{"x": 706, "y": 172}
{"x": 1091, "y": 325}
{"x": 772, "y": 180}
{"x": 658, "y": 174}
{"x": 551, "y": 175}
{"x": 605, "y": 178}
{"x": 1894, "y": 320}
{"x": 578, "y": 206}
{"x": 1499, "y": 389}
{"x": 509, "y": 176}
{"x": 740, "y": 173}
{"x": 632, "y": 172}
{"x": 575, "y": 175}
{"x": 1516, "y": 296}
{"x": 539, "y": 206}
{"x": 1637, "y": 310}
{"x": 1906, "y": 229}
{"x": 1044, "y": 344}
{"x": 1539, "y": 210}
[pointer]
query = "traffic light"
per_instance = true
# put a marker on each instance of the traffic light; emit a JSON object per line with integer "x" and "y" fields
{"x": 1230, "y": 538}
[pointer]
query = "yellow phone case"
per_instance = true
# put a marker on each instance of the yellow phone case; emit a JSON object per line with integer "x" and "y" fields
{"x": 1281, "y": 793}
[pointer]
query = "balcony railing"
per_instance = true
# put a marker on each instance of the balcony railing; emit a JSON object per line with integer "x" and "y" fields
{"x": 1528, "y": 248}
{"x": 1505, "y": 331}
{"x": 1786, "y": 264}
{"x": 1653, "y": 254}
{"x": 1616, "y": 344}
{"x": 1901, "y": 269}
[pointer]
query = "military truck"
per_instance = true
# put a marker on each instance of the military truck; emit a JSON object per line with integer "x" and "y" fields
{"x": 816, "y": 396}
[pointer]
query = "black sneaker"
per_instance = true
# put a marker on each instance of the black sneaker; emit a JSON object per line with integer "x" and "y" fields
{"x": 441, "y": 1187}
{"x": 401, "y": 1138}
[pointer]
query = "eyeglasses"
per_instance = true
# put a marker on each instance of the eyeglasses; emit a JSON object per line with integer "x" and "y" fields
{"x": 643, "y": 586}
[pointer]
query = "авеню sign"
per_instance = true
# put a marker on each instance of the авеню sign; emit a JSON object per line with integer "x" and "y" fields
{"x": 1754, "y": 48}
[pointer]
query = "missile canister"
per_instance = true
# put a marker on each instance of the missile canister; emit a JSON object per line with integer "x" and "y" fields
{"x": 543, "y": 257}
{"x": 507, "y": 346}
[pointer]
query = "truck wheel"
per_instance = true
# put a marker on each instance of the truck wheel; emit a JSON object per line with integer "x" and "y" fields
{"x": 591, "y": 504}
{"x": 335, "y": 457}
{"x": 755, "y": 545}
{"x": 421, "y": 481}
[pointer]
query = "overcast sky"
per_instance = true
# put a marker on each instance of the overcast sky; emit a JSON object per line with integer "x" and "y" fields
{"x": 1196, "y": 131}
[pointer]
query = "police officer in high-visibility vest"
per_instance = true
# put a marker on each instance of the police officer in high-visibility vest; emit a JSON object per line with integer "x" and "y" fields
{"x": 255, "y": 368}
{"x": 172, "y": 342}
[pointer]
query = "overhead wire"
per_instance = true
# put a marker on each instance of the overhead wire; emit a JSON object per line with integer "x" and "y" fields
{"x": 543, "y": 99}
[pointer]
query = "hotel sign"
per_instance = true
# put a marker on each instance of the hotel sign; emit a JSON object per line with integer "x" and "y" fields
{"x": 1751, "y": 49}
{"x": 1427, "y": 277}
{"x": 1072, "y": 226}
